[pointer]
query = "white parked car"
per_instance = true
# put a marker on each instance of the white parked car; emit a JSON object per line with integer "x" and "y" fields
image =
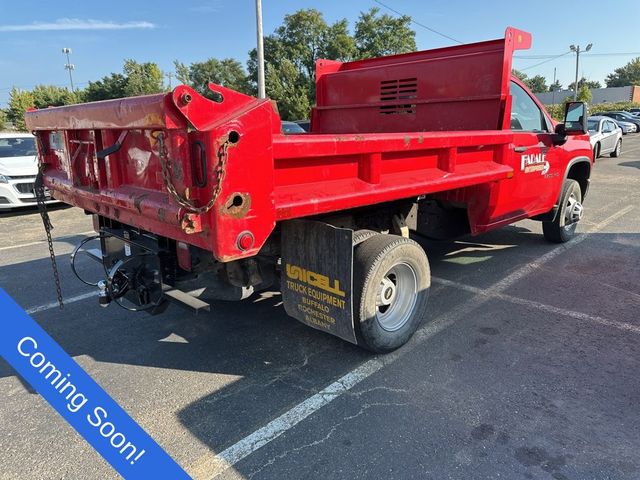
{"x": 18, "y": 169}
{"x": 605, "y": 136}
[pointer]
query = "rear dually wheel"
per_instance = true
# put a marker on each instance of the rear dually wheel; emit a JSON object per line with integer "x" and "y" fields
{"x": 391, "y": 287}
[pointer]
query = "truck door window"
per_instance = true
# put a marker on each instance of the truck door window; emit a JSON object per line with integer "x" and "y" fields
{"x": 525, "y": 114}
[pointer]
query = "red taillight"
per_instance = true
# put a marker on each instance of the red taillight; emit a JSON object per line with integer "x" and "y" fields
{"x": 245, "y": 241}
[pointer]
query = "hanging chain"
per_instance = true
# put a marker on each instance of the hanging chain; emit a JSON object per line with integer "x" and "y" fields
{"x": 223, "y": 155}
{"x": 46, "y": 221}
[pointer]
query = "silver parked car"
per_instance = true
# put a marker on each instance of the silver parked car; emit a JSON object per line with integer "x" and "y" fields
{"x": 627, "y": 127}
{"x": 605, "y": 136}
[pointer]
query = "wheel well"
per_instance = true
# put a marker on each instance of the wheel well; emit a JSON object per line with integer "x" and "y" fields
{"x": 580, "y": 172}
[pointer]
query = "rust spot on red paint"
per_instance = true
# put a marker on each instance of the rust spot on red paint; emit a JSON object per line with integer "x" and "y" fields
{"x": 237, "y": 205}
{"x": 137, "y": 201}
{"x": 191, "y": 223}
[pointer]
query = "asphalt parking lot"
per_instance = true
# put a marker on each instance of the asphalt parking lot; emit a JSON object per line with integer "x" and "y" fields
{"x": 526, "y": 368}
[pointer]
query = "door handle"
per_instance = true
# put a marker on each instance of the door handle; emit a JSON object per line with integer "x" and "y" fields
{"x": 524, "y": 148}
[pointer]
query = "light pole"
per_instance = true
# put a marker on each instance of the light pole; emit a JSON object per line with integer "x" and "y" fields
{"x": 576, "y": 49}
{"x": 69, "y": 66}
{"x": 261, "y": 89}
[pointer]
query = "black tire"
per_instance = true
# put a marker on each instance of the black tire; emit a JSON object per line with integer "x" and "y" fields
{"x": 402, "y": 265}
{"x": 559, "y": 231}
{"x": 618, "y": 150}
{"x": 596, "y": 151}
{"x": 360, "y": 236}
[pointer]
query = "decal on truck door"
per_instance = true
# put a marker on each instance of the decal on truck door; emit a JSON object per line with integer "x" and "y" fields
{"x": 317, "y": 264}
{"x": 536, "y": 162}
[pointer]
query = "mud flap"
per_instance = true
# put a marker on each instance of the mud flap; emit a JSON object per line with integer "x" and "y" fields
{"x": 317, "y": 276}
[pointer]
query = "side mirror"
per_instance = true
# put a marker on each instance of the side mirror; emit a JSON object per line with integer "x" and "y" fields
{"x": 575, "y": 118}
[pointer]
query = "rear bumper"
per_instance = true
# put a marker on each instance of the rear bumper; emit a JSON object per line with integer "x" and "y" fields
{"x": 19, "y": 193}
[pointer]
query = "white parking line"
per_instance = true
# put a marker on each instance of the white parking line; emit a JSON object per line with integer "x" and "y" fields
{"x": 630, "y": 150}
{"x": 49, "y": 306}
{"x": 491, "y": 293}
{"x": 30, "y": 244}
{"x": 210, "y": 466}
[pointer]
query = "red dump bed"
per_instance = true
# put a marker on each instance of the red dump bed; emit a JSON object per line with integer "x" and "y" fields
{"x": 383, "y": 129}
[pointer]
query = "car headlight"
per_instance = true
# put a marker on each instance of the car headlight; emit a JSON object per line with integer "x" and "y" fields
{"x": 4, "y": 179}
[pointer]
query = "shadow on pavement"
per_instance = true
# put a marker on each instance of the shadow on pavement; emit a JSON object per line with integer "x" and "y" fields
{"x": 277, "y": 360}
{"x": 635, "y": 164}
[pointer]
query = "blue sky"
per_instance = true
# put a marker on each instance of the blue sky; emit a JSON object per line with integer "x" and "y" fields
{"x": 102, "y": 34}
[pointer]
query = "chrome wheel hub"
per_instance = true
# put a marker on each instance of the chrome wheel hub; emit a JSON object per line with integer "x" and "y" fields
{"x": 574, "y": 210}
{"x": 396, "y": 297}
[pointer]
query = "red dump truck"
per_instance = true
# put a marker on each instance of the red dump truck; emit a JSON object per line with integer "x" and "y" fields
{"x": 200, "y": 198}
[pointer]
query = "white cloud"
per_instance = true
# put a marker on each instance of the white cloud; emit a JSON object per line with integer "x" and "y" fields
{"x": 65, "y": 24}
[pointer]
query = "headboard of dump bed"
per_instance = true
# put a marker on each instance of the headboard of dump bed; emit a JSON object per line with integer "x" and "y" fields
{"x": 463, "y": 87}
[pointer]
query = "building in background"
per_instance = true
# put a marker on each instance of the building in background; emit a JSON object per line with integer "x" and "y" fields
{"x": 600, "y": 95}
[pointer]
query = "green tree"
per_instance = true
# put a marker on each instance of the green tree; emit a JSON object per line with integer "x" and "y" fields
{"x": 536, "y": 84}
{"x": 338, "y": 44}
{"x": 3, "y": 119}
{"x": 584, "y": 82}
{"x": 291, "y": 53}
{"x": 377, "y": 35}
{"x": 555, "y": 86}
{"x": 135, "y": 79}
{"x": 584, "y": 95}
{"x": 226, "y": 72}
{"x": 520, "y": 75}
{"x": 19, "y": 102}
{"x": 51, "y": 96}
{"x": 142, "y": 78}
{"x": 291, "y": 91}
{"x": 111, "y": 86}
{"x": 626, "y": 75}
{"x": 304, "y": 37}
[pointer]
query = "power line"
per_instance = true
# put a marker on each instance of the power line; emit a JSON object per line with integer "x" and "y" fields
{"x": 545, "y": 61}
{"x": 612, "y": 54}
{"x": 417, "y": 23}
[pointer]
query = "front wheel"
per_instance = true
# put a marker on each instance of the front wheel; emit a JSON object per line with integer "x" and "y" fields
{"x": 563, "y": 227}
{"x": 596, "y": 151}
{"x": 391, "y": 288}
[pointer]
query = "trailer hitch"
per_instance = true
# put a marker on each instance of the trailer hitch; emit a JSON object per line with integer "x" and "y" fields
{"x": 132, "y": 276}
{"x": 133, "y": 282}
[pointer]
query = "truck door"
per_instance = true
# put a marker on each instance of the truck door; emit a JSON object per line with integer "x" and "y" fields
{"x": 535, "y": 159}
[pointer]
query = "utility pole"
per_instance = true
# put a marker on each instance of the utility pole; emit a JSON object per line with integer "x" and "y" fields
{"x": 553, "y": 88}
{"x": 69, "y": 66}
{"x": 261, "y": 90}
{"x": 170, "y": 76}
{"x": 576, "y": 49}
